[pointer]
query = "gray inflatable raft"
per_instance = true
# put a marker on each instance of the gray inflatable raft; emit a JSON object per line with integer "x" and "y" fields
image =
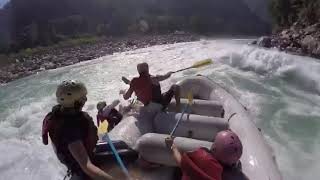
{"x": 213, "y": 110}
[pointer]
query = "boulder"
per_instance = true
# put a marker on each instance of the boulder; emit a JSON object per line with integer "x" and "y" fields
{"x": 264, "y": 41}
{"x": 85, "y": 58}
{"x": 49, "y": 65}
{"x": 179, "y": 32}
{"x": 286, "y": 34}
{"x": 309, "y": 42}
{"x": 316, "y": 51}
{"x": 311, "y": 29}
{"x": 255, "y": 42}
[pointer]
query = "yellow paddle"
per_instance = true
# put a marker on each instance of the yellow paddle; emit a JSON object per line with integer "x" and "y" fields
{"x": 197, "y": 65}
{"x": 190, "y": 101}
{"x": 103, "y": 129}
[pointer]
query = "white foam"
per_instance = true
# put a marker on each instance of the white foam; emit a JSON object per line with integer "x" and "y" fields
{"x": 260, "y": 79}
{"x": 28, "y": 160}
{"x": 303, "y": 74}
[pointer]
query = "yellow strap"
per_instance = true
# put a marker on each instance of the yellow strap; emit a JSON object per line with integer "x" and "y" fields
{"x": 190, "y": 98}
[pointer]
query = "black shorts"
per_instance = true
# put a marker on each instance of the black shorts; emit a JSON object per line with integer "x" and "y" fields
{"x": 164, "y": 99}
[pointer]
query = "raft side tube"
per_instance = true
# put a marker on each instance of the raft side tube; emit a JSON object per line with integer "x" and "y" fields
{"x": 200, "y": 107}
{"x": 191, "y": 126}
{"x": 103, "y": 153}
{"x": 152, "y": 147}
{"x": 258, "y": 160}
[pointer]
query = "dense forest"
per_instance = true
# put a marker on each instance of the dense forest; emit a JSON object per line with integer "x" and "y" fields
{"x": 29, "y": 23}
{"x": 287, "y": 12}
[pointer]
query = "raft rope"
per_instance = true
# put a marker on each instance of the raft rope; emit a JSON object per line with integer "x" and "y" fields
{"x": 231, "y": 116}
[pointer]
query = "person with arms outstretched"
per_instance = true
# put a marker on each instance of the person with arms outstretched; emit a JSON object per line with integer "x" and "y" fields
{"x": 108, "y": 113}
{"x": 147, "y": 88}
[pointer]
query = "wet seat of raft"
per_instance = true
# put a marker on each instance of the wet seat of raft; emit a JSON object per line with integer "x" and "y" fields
{"x": 200, "y": 107}
{"x": 203, "y": 120}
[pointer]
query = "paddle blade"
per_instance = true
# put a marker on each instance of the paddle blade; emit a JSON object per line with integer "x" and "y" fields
{"x": 202, "y": 63}
{"x": 103, "y": 127}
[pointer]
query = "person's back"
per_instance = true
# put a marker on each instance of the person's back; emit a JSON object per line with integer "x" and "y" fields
{"x": 72, "y": 132}
{"x": 65, "y": 127}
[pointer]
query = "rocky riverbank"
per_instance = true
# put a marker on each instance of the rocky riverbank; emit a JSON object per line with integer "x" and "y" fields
{"x": 51, "y": 58}
{"x": 299, "y": 40}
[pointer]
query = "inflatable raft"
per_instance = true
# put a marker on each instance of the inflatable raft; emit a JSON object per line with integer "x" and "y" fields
{"x": 213, "y": 110}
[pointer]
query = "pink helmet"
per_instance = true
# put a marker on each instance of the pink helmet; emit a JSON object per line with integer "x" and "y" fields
{"x": 227, "y": 147}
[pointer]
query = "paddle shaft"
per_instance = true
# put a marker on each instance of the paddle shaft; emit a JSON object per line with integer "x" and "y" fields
{"x": 196, "y": 65}
{"x": 118, "y": 158}
{"x": 182, "y": 70}
{"x": 178, "y": 122}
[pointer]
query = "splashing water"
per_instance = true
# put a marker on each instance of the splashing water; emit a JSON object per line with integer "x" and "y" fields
{"x": 280, "y": 90}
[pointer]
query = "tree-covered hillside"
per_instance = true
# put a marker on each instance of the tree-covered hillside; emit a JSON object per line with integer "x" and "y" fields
{"x": 286, "y": 12}
{"x": 43, "y": 22}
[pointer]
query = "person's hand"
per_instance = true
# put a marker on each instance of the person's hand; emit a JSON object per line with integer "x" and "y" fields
{"x": 125, "y": 80}
{"x": 132, "y": 102}
{"x": 169, "y": 73}
{"x": 169, "y": 142}
{"x": 122, "y": 91}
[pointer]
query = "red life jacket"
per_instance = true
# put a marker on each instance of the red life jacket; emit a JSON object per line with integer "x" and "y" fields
{"x": 53, "y": 124}
{"x": 200, "y": 165}
{"x": 142, "y": 87}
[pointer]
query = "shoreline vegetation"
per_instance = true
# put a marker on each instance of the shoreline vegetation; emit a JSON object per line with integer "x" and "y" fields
{"x": 32, "y": 60}
{"x": 37, "y": 35}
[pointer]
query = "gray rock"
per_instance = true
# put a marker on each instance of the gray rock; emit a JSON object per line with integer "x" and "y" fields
{"x": 296, "y": 35}
{"x": 85, "y": 58}
{"x": 309, "y": 42}
{"x": 49, "y": 65}
{"x": 316, "y": 51}
{"x": 264, "y": 41}
{"x": 179, "y": 32}
{"x": 286, "y": 34}
{"x": 311, "y": 29}
{"x": 255, "y": 42}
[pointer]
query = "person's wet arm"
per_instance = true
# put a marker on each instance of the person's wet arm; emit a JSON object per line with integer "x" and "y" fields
{"x": 107, "y": 109}
{"x": 80, "y": 154}
{"x": 175, "y": 151}
{"x": 163, "y": 77}
{"x": 128, "y": 94}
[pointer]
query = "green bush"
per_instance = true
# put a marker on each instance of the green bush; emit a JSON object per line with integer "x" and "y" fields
{"x": 287, "y": 12}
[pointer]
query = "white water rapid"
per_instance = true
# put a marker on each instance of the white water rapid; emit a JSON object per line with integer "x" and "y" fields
{"x": 280, "y": 90}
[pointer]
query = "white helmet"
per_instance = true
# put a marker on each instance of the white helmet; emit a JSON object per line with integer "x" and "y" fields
{"x": 71, "y": 91}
